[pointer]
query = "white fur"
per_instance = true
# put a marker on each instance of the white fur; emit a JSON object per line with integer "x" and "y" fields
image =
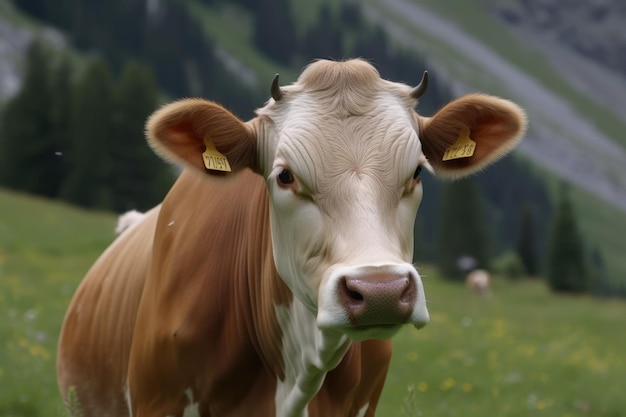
{"x": 353, "y": 202}
{"x": 332, "y": 315}
{"x": 127, "y": 220}
{"x": 362, "y": 411}
{"x": 192, "y": 408}
{"x": 128, "y": 402}
{"x": 308, "y": 354}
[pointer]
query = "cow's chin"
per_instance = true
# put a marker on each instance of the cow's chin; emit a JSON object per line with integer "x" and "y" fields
{"x": 360, "y": 333}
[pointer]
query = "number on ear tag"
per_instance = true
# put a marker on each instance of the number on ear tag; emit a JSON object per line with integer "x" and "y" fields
{"x": 213, "y": 159}
{"x": 464, "y": 147}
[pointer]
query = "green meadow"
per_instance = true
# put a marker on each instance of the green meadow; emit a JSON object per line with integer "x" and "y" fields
{"x": 520, "y": 352}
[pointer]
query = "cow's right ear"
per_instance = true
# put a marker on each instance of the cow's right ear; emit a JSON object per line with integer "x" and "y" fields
{"x": 185, "y": 131}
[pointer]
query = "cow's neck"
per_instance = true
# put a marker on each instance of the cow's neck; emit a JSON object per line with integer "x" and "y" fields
{"x": 304, "y": 354}
{"x": 308, "y": 354}
{"x": 280, "y": 328}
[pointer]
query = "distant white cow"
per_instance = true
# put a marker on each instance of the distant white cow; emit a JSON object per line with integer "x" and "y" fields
{"x": 128, "y": 219}
{"x": 478, "y": 282}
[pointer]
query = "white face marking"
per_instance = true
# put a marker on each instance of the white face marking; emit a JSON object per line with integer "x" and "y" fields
{"x": 352, "y": 203}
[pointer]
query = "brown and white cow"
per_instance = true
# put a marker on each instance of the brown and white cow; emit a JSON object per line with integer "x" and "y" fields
{"x": 273, "y": 289}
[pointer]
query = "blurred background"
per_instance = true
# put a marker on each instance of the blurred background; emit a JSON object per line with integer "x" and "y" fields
{"x": 79, "y": 77}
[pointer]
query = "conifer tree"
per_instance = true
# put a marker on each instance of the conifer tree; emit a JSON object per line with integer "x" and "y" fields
{"x": 275, "y": 31}
{"x": 325, "y": 39}
{"x": 27, "y": 160}
{"x": 463, "y": 231}
{"x": 89, "y": 157}
{"x": 139, "y": 179}
{"x": 60, "y": 113}
{"x": 526, "y": 245}
{"x": 600, "y": 281}
{"x": 566, "y": 269}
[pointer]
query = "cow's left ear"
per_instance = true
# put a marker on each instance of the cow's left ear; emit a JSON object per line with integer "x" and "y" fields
{"x": 203, "y": 135}
{"x": 469, "y": 133}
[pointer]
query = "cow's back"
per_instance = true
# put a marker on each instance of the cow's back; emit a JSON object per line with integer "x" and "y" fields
{"x": 98, "y": 327}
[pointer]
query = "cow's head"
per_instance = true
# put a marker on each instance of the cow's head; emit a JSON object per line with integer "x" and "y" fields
{"x": 341, "y": 151}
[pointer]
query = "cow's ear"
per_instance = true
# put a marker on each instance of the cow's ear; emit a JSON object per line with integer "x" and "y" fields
{"x": 469, "y": 133}
{"x": 203, "y": 135}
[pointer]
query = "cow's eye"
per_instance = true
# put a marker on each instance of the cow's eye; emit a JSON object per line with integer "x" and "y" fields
{"x": 285, "y": 177}
{"x": 417, "y": 172}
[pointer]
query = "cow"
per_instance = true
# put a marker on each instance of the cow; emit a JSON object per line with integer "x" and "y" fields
{"x": 272, "y": 277}
{"x": 478, "y": 282}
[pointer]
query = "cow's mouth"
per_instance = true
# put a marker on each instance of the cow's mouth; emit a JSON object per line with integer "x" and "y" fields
{"x": 377, "y": 326}
{"x": 372, "y": 331}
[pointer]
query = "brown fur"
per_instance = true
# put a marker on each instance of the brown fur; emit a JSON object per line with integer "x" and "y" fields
{"x": 197, "y": 119}
{"x": 496, "y": 125}
{"x": 97, "y": 332}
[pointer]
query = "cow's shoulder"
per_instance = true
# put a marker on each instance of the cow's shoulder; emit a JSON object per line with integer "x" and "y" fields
{"x": 211, "y": 266}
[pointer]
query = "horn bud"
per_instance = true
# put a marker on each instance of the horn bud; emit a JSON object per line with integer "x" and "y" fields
{"x": 421, "y": 87}
{"x": 277, "y": 93}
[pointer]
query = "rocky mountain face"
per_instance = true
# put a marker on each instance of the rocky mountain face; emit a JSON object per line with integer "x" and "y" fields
{"x": 593, "y": 28}
{"x": 14, "y": 41}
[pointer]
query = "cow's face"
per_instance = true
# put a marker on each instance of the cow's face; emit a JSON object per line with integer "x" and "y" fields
{"x": 341, "y": 151}
{"x": 343, "y": 174}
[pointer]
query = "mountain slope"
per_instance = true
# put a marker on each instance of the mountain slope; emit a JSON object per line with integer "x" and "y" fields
{"x": 573, "y": 133}
{"x": 560, "y": 139}
{"x": 573, "y": 137}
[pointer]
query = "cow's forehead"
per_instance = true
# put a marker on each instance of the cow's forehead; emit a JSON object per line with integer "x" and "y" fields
{"x": 341, "y": 90}
{"x": 341, "y": 118}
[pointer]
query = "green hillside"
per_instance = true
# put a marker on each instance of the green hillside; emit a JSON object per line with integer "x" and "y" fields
{"x": 521, "y": 352}
{"x": 45, "y": 249}
{"x": 479, "y": 19}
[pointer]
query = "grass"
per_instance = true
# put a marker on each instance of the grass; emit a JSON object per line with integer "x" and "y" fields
{"x": 45, "y": 249}
{"x": 522, "y": 352}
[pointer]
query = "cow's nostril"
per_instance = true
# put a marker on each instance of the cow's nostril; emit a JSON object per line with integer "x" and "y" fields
{"x": 409, "y": 293}
{"x": 351, "y": 293}
{"x": 355, "y": 295}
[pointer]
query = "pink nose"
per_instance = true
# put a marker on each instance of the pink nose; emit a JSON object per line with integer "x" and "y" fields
{"x": 379, "y": 299}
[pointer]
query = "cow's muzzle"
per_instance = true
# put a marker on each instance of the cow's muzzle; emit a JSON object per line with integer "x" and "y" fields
{"x": 373, "y": 297}
{"x": 377, "y": 299}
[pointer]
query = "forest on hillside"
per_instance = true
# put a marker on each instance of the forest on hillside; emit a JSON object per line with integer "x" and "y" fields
{"x": 75, "y": 130}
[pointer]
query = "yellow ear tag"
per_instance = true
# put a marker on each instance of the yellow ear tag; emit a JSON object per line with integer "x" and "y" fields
{"x": 213, "y": 159}
{"x": 463, "y": 147}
